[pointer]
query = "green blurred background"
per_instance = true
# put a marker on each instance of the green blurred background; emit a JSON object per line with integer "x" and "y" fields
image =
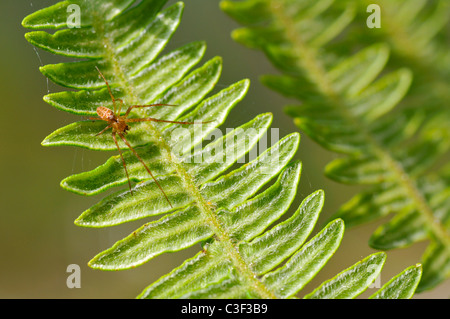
{"x": 38, "y": 237}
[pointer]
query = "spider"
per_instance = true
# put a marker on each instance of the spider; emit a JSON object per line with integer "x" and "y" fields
{"x": 119, "y": 125}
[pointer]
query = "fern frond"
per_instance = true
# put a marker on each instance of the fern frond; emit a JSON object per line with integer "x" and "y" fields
{"x": 229, "y": 212}
{"x": 349, "y": 106}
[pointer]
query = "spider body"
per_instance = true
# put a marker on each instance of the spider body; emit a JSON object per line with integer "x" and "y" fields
{"x": 119, "y": 126}
{"x": 105, "y": 113}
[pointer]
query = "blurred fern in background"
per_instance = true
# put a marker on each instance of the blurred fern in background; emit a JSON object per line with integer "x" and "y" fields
{"x": 377, "y": 96}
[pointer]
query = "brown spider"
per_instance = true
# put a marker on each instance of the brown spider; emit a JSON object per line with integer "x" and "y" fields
{"x": 119, "y": 125}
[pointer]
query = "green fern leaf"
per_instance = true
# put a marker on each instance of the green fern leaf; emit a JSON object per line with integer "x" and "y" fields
{"x": 401, "y": 286}
{"x": 350, "y": 105}
{"x": 228, "y": 210}
{"x": 348, "y": 283}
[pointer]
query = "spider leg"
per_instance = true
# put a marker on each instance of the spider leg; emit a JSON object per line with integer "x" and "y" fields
{"x": 120, "y": 107}
{"x": 96, "y": 119}
{"x": 148, "y": 170}
{"x": 123, "y": 161}
{"x": 102, "y": 131}
{"x": 151, "y": 119}
{"x": 109, "y": 89}
{"x": 150, "y": 105}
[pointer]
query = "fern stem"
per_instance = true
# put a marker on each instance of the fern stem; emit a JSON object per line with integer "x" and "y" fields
{"x": 421, "y": 204}
{"x": 309, "y": 62}
{"x": 306, "y": 55}
{"x": 220, "y": 232}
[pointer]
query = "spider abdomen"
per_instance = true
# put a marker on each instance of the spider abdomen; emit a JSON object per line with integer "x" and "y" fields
{"x": 105, "y": 113}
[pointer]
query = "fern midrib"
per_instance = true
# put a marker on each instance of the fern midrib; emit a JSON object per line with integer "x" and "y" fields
{"x": 220, "y": 232}
{"x": 317, "y": 74}
{"x": 307, "y": 59}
